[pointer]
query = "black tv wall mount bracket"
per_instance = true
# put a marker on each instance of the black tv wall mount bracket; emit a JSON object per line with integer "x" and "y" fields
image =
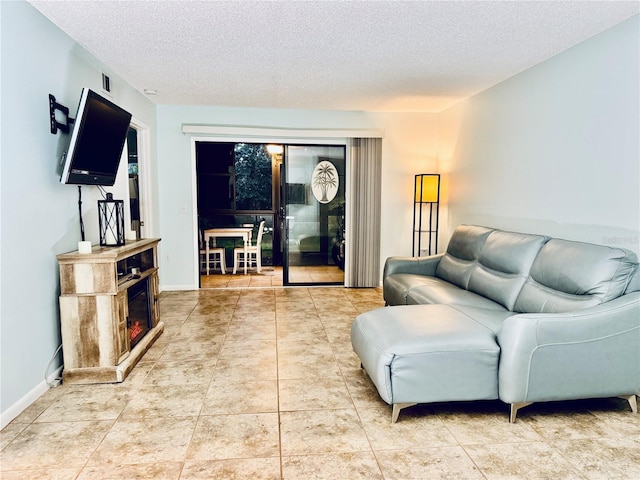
{"x": 55, "y": 124}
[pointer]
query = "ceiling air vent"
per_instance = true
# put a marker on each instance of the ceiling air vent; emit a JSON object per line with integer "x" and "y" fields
{"x": 106, "y": 83}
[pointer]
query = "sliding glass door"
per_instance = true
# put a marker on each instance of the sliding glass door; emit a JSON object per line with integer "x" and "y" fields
{"x": 313, "y": 214}
{"x": 299, "y": 190}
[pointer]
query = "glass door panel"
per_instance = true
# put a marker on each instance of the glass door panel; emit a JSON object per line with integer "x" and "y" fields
{"x": 235, "y": 188}
{"x": 313, "y": 216}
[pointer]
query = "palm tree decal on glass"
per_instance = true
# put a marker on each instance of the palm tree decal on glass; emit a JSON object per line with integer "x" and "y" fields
{"x": 324, "y": 182}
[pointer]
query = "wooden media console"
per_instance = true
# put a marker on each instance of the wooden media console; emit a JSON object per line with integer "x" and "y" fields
{"x": 109, "y": 312}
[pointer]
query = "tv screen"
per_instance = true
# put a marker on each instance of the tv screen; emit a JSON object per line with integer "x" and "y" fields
{"x": 97, "y": 140}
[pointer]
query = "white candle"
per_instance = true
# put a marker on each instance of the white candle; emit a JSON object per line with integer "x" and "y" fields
{"x": 131, "y": 235}
{"x": 84, "y": 247}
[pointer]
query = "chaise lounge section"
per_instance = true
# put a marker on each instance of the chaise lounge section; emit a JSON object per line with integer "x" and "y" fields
{"x": 502, "y": 315}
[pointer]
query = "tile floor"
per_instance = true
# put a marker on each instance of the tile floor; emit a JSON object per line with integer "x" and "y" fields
{"x": 262, "y": 384}
{"x": 272, "y": 277}
{"x": 269, "y": 277}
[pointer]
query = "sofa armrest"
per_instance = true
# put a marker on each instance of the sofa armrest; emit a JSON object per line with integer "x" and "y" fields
{"x": 589, "y": 353}
{"x": 417, "y": 265}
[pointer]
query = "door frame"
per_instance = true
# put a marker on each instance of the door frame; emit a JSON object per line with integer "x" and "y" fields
{"x": 144, "y": 178}
{"x": 266, "y": 136}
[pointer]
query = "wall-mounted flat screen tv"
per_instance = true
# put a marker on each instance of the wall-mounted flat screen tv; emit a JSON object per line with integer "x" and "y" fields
{"x": 97, "y": 140}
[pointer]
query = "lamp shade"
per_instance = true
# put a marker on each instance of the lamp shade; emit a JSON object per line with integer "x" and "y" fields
{"x": 427, "y": 188}
{"x": 111, "y": 221}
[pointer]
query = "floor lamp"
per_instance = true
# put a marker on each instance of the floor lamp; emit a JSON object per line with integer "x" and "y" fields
{"x": 426, "y": 209}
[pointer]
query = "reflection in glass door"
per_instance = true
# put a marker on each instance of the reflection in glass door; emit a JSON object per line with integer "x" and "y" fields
{"x": 134, "y": 182}
{"x": 313, "y": 216}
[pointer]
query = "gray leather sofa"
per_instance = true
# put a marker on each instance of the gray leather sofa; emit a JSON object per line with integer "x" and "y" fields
{"x": 502, "y": 315}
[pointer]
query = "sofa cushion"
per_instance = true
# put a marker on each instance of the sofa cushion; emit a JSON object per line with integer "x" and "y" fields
{"x": 397, "y": 286}
{"x": 570, "y": 275}
{"x": 462, "y": 254}
{"x": 401, "y": 274}
{"x": 504, "y": 264}
{"x": 634, "y": 283}
{"x": 438, "y": 291}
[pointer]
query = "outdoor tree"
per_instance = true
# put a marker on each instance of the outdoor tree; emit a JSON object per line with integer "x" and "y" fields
{"x": 253, "y": 177}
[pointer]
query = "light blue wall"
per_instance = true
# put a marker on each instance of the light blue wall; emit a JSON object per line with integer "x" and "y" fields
{"x": 555, "y": 149}
{"x": 39, "y": 216}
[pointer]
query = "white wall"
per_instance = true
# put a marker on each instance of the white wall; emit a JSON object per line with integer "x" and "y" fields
{"x": 409, "y": 147}
{"x": 555, "y": 149}
{"x": 39, "y": 216}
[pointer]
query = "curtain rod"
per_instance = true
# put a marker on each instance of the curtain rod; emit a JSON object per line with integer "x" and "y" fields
{"x": 281, "y": 132}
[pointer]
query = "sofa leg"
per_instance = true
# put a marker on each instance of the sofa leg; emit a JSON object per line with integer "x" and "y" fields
{"x": 633, "y": 402}
{"x": 396, "y": 410}
{"x": 514, "y": 410}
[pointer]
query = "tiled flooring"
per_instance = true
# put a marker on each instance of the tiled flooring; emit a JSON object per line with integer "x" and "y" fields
{"x": 269, "y": 277}
{"x": 272, "y": 277}
{"x": 263, "y": 384}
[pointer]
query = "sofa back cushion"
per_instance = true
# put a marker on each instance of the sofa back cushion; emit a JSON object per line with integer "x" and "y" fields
{"x": 504, "y": 264}
{"x": 634, "y": 284}
{"x": 462, "y": 254}
{"x": 570, "y": 275}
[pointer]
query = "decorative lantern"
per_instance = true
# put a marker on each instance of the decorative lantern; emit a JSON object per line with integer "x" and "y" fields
{"x": 111, "y": 221}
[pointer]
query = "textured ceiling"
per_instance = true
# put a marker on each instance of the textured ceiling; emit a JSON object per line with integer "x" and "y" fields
{"x": 418, "y": 56}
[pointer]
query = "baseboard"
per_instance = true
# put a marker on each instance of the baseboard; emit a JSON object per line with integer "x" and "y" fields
{"x": 173, "y": 288}
{"x": 21, "y": 405}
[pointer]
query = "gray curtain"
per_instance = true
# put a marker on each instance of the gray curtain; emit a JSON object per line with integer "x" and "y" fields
{"x": 363, "y": 216}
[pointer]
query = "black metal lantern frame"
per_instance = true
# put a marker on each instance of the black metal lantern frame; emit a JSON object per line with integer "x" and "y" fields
{"x": 426, "y": 210}
{"x": 111, "y": 221}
